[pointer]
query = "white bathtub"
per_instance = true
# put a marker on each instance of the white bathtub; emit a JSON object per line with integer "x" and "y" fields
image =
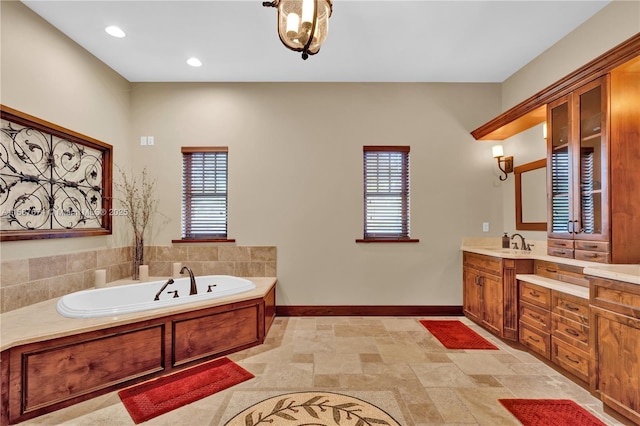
{"x": 125, "y": 299}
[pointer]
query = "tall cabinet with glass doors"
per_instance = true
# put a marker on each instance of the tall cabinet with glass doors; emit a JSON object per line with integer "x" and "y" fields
{"x": 577, "y": 167}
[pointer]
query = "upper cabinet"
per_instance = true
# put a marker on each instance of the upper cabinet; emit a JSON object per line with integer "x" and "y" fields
{"x": 577, "y": 164}
{"x": 593, "y": 161}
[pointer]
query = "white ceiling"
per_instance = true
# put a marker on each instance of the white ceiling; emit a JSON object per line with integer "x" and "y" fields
{"x": 369, "y": 40}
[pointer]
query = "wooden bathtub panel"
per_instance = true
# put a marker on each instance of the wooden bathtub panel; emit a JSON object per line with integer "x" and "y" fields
{"x": 215, "y": 333}
{"x": 54, "y": 374}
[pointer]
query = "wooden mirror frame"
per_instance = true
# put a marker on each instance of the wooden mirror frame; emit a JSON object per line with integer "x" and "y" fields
{"x": 518, "y": 170}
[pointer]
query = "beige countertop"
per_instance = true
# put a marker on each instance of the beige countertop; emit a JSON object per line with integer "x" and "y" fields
{"x": 492, "y": 247}
{"x": 41, "y": 321}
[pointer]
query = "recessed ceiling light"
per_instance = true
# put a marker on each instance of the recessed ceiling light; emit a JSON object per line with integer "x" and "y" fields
{"x": 115, "y": 31}
{"x": 194, "y": 62}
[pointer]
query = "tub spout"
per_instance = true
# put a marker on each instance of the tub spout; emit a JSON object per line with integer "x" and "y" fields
{"x": 162, "y": 289}
{"x": 193, "y": 290}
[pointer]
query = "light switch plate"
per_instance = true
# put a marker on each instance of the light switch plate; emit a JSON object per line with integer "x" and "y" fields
{"x": 485, "y": 226}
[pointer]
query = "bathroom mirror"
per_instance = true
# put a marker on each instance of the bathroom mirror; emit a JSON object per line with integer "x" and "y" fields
{"x": 531, "y": 196}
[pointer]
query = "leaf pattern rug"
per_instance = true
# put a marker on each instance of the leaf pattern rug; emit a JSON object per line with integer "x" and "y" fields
{"x": 314, "y": 407}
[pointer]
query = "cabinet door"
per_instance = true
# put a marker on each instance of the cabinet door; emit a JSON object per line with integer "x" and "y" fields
{"x": 559, "y": 178}
{"x": 492, "y": 303}
{"x": 618, "y": 365}
{"x": 591, "y": 160}
{"x": 472, "y": 296}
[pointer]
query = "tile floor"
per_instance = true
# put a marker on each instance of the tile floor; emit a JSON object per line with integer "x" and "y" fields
{"x": 392, "y": 362}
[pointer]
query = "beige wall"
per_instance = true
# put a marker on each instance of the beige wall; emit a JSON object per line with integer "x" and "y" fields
{"x": 45, "y": 74}
{"x": 295, "y": 178}
{"x": 615, "y": 23}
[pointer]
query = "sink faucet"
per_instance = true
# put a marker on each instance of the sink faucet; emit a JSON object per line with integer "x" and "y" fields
{"x": 525, "y": 246}
{"x": 162, "y": 289}
{"x": 194, "y": 289}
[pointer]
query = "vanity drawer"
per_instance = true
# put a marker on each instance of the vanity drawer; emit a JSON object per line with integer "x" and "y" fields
{"x": 535, "y": 316}
{"x": 547, "y": 269}
{"x": 560, "y": 252}
{"x": 489, "y": 264}
{"x": 569, "y": 306}
{"x": 592, "y": 256}
{"x": 535, "y": 294}
{"x": 536, "y": 340}
{"x": 571, "y": 359}
{"x": 562, "y": 244}
{"x": 601, "y": 246}
{"x": 571, "y": 332}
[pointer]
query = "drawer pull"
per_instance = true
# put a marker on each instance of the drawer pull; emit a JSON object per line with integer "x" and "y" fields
{"x": 553, "y": 271}
{"x": 535, "y": 317}
{"x": 575, "y": 361}
{"x": 571, "y": 307}
{"x": 594, "y": 256}
{"x": 572, "y": 332}
{"x": 533, "y": 338}
{"x": 591, "y": 246}
{"x": 558, "y": 252}
{"x": 534, "y": 294}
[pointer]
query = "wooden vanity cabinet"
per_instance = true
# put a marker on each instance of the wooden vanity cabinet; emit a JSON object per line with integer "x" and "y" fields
{"x": 615, "y": 318}
{"x": 490, "y": 294}
{"x": 535, "y": 318}
{"x": 555, "y": 325}
{"x": 570, "y": 341}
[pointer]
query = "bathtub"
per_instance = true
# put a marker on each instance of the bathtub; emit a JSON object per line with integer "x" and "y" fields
{"x": 125, "y": 299}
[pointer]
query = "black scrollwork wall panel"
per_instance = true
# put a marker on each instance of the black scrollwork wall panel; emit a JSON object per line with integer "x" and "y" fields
{"x": 53, "y": 182}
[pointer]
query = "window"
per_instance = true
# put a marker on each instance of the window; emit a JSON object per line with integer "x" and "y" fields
{"x": 204, "y": 193}
{"x": 386, "y": 194}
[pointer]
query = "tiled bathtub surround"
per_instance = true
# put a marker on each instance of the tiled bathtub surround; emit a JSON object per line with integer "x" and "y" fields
{"x": 243, "y": 261}
{"x": 24, "y": 282}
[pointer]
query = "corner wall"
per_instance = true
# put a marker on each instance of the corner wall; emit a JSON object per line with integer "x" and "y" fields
{"x": 47, "y": 75}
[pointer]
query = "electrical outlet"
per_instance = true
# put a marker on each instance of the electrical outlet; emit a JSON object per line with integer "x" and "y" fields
{"x": 485, "y": 226}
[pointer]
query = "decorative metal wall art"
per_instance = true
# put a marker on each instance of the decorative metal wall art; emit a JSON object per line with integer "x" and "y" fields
{"x": 54, "y": 183}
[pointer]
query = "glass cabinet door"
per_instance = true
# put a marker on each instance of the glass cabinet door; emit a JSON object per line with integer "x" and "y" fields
{"x": 592, "y": 160}
{"x": 560, "y": 213}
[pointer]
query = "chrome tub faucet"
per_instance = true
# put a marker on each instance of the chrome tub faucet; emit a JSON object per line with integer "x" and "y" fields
{"x": 194, "y": 289}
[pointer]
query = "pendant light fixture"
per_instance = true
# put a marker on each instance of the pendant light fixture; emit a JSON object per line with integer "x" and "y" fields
{"x": 303, "y": 25}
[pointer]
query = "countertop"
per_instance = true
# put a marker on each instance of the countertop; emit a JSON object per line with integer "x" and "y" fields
{"x": 42, "y": 321}
{"x": 492, "y": 247}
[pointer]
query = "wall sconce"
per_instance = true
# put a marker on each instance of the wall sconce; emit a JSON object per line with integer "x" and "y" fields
{"x": 507, "y": 161}
{"x": 303, "y": 25}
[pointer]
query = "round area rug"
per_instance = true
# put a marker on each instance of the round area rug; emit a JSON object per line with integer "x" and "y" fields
{"x": 313, "y": 408}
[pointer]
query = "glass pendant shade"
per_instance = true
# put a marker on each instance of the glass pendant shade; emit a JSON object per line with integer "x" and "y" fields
{"x": 303, "y": 25}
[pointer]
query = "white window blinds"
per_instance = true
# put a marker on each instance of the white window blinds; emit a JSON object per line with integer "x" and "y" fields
{"x": 386, "y": 192}
{"x": 204, "y": 192}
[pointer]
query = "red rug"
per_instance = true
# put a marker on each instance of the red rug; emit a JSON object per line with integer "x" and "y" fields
{"x": 550, "y": 412}
{"x": 455, "y": 335}
{"x": 158, "y": 396}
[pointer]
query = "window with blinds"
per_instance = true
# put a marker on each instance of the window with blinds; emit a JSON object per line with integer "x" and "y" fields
{"x": 386, "y": 192}
{"x": 204, "y": 192}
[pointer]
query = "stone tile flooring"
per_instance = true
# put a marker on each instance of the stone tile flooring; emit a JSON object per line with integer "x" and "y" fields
{"x": 392, "y": 362}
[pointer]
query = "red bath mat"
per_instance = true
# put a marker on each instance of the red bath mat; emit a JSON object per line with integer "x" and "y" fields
{"x": 158, "y": 396}
{"x": 550, "y": 412}
{"x": 455, "y": 335}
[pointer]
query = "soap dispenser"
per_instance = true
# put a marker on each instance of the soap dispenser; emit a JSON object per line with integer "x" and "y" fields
{"x": 505, "y": 241}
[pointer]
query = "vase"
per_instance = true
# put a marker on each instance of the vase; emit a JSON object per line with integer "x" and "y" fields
{"x": 138, "y": 256}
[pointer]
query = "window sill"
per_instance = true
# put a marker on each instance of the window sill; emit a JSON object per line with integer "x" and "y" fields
{"x": 387, "y": 240}
{"x": 204, "y": 240}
